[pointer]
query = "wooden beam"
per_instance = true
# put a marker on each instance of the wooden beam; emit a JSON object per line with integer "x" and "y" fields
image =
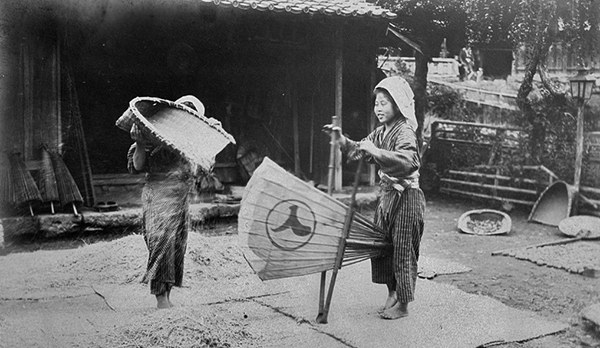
{"x": 490, "y": 176}
{"x": 339, "y": 65}
{"x": 372, "y": 122}
{"x": 294, "y": 95}
{"x": 480, "y": 195}
{"x": 493, "y": 187}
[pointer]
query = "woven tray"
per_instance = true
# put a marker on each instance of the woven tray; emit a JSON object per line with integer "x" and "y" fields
{"x": 178, "y": 127}
{"x": 479, "y": 221}
{"x": 587, "y": 227}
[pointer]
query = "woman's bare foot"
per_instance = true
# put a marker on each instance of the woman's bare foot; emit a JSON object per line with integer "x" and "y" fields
{"x": 169, "y": 299}
{"x": 162, "y": 302}
{"x": 399, "y": 310}
{"x": 390, "y": 301}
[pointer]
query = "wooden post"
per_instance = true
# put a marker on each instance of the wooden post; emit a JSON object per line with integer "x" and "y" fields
{"x": 339, "y": 64}
{"x": 372, "y": 122}
{"x": 578, "y": 155}
{"x": 579, "y": 149}
{"x": 294, "y": 96}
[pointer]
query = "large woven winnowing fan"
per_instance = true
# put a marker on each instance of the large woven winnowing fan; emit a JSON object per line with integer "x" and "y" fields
{"x": 179, "y": 127}
{"x": 288, "y": 228}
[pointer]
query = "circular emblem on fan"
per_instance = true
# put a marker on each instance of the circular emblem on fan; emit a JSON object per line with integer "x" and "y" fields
{"x": 290, "y": 224}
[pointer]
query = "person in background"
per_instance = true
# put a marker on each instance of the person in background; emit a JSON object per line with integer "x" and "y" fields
{"x": 466, "y": 60}
{"x": 401, "y": 207}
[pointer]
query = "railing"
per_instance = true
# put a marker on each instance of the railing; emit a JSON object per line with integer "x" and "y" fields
{"x": 481, "y": 96}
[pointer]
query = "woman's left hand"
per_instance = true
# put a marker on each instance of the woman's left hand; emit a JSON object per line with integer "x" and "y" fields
{"x": 368, "y": 147}
{"x": 214, "y": 122}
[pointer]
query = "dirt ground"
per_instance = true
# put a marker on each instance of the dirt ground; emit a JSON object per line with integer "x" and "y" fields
{"x": 36, "y": 271}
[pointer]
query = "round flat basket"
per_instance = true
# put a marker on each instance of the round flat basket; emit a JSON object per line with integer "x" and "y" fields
{"x": 178, "y": 127}
{"x": 579, "y": 225}
{"x": 485, "y": 222}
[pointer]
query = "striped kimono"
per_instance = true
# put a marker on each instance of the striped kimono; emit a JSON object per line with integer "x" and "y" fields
{"x": 165, "y": 216}
{"x": 401, "y": 207}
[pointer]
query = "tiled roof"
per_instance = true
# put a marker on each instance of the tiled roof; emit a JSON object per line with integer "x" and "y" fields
{"x": 357, "y": 8}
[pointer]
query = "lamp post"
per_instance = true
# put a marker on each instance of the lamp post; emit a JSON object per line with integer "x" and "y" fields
{"x": 581, "y": 91}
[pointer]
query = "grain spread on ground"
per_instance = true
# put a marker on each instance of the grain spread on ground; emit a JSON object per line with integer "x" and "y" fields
{"x": 122, "y": 262}
{"x": 484, "y": 226}
{"x": 572, "y": 257}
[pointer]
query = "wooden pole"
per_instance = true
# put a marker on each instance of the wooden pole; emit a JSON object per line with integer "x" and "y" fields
{"x": 579, "y": 149}
{"x": 339, "y": 64}
{"x": 372, "y": 123}
{"x": 335, "y": 121}
{"x": 578, "y": 155}
{"x": 322, "y": 317}
{"x": 558, "y": 242}
{"x": 294, "y": 96}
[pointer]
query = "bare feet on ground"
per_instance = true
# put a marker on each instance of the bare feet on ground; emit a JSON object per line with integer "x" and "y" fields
{"x": 169, "y": 299}
{"x": 390, "y": 302}
{"x": 162, "y": 302}
{"x": 399, "y": 310}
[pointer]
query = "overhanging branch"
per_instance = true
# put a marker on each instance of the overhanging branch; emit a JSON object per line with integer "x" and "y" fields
{"x": 392, "y": 28}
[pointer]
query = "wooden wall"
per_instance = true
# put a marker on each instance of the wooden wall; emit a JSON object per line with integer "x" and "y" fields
{"x": 269, "y": 77}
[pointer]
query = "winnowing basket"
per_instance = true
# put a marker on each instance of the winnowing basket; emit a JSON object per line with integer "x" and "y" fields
{"x": 178, "y": 127}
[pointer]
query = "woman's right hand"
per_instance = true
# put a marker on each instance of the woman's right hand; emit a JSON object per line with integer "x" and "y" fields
{"x": 330, "y": 129}
{"x": 136, "y": 134}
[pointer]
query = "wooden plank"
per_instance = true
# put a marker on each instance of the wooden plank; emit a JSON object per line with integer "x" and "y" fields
{"x": 491, "y": 176}
{"x": 478, "y": 125}
{"x": 462, "y": 142}
{"x": 557, "y": 242}
{"x": 590, "y": 190}
{"x": 119, "y": 181}
{"x": 480, "y": 195}
{"x": 494, "y": 187}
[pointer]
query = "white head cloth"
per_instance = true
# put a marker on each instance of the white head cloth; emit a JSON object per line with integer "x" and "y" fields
{"x": 403, "y": 96}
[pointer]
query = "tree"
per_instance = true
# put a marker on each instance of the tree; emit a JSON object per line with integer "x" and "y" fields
{"x": 423, "y": 25}
{"x": 490, "y": 21}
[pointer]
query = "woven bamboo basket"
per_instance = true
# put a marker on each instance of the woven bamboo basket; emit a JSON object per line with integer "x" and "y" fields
{"x": 485, "y": 222}
{"x": 554, "y": 204}
{"x": 581, "y": 225}
{"x": 178, "y": 127}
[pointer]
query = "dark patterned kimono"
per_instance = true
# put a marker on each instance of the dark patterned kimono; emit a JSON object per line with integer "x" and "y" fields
{"x": 400, "y": 210}
{"x": 165, "y": 201}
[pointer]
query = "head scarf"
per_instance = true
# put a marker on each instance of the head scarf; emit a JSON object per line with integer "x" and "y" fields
{"x": 403, "y": 96}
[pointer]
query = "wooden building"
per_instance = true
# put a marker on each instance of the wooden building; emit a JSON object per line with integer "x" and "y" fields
{"x": 272, "y": 72}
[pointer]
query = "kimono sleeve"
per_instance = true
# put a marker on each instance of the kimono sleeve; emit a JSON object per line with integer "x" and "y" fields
{"x": 402, "y": 158}
{"x": 130, "y": 166}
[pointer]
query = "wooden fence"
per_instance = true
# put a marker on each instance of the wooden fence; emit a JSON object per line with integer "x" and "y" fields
{"x": 466, "y": 157}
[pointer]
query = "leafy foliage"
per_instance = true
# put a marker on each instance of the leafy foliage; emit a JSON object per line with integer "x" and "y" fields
{"x": 547, "y": 137}
{"x": 491, "y": 21}
{"x": 429, "y": 22}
